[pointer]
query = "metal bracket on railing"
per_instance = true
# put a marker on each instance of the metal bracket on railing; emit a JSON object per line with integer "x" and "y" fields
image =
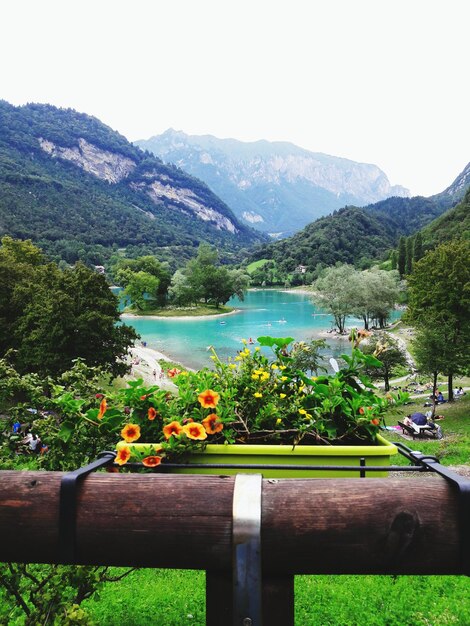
{"x": 246, "y": 533}
{"x": 460, "y": 483}
{"x": 68, "y": 505}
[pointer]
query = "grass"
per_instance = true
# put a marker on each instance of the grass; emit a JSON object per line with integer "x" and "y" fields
{"x": 256, "y": 265}
{"x": 192, "y": 311}
{"x": 454, "y": 447}
{"x": 176, "y": 597}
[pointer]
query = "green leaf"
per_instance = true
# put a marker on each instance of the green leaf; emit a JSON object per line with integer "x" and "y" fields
{"x": 279, "y": 342}
{"x": 66, "y": 431}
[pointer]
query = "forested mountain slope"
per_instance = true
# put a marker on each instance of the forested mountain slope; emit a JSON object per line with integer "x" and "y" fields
{"x": 77, "y": 188}
{"x": 359, "y": 235}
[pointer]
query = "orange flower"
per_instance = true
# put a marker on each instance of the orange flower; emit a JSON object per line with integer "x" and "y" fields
{"x": 130, "y": 432}
{"x": 173, "y": 428}
{"x": 151, "y": 413}
{"x": 208, "y": 399}
{"x": 173, "y": 372}
{"x": 194, "y": 431}
{"x": 211, "y": 424}
{"x": 123, "y": 455}
{"x": 361, "y": 411}
{"x": 103, "y": 407}
{"x": 152, "y": 461}
{"x": 375, "y": 421}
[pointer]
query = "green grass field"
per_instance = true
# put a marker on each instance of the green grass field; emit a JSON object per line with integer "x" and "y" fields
{"x": 176, "y": 597}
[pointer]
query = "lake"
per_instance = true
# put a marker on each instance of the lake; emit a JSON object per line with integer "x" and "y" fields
{"x": 263, "y": 312}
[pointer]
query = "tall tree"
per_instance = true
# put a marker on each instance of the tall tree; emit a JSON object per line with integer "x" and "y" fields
{"x": 54, "y": 316}
{"x": 335, "y": 291}
{"x": 409, "y": 255}
{"x": 439, "y": 302}
{"x": 418, "y": 247}
{"x": 402, "y": 256}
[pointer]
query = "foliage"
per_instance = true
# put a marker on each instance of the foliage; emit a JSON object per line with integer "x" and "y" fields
{"x": 204, "y": 278}
{"x": 305, "y": 356}
{"x": 250, "y": 399}
{"x": 51, "y": 316}
{"x": 343, "y": 291}
{"x": 73, "y": 214}
{"x": 439, "y": 301}
{"x": 326, "y": 600}
{"x": 391, "y": 356}
{"x": 46, "y": 406}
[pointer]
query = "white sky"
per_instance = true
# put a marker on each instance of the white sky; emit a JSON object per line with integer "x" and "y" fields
{"x": 377, "y": 81}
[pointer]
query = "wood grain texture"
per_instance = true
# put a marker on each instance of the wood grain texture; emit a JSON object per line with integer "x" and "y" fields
{"x": 308, "y": 526}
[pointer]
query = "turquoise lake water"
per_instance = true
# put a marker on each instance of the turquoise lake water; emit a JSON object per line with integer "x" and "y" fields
{"x": 263, "y": 312}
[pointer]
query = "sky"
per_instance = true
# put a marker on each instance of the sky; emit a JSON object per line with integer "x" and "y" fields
{"x": 375, "y": 81}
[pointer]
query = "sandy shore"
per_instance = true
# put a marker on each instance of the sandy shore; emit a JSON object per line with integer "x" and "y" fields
{"x": 178, "y": 317}
{"x": 145, "y": 364}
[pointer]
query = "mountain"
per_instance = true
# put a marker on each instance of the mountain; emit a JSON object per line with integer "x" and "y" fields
{"x": 76, "y": 187}
{"x": 358, "y": 235}
{"x": 453, "y": 224}
{"x": 275, "y": 186}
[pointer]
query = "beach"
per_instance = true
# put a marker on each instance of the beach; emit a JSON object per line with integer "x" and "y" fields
{"x": 145, "y": 364}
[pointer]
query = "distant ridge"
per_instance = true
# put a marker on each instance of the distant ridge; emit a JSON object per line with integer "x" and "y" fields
{"x": 277, "y": 187}
{"x": 362, "y": 235}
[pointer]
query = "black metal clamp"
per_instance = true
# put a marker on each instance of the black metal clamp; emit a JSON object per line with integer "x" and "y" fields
{"x": 68, "y": 505}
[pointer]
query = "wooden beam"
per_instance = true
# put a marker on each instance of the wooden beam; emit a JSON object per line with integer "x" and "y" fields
{"x": 316, "y": 526}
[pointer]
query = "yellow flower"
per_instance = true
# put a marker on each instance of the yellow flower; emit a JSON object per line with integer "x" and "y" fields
{"x": 264, "y": 376}
{"x": 274, "y": 366}
{"x": 283, "y": 378}
{"x": 232, "y": 366}
{"x": 255, "y": 376}
{"x": 212, "y": 425}
{"x": 314, "y": 378}
{"x": 123, "y": 455}
{"x": 257, "y": 349}
{"x": 130, "y": 433}
{"x": 278, "y": 421}
{"x": 282, "y": 395}
{"x": 195, "y": 431}
{"x": 301, "y": 388}
{"x": 238, "y": 358}
{"x": 208, "y": 399}
{"x": 302, "y": 412}
{"x": 173, "y": 428}
{"x": 244, "y": 342}
{"x": 257, "y": 394}
{"x": 282, "y": 367}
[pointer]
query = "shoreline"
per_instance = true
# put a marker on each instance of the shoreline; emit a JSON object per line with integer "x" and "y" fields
{"x": 184, "y": 318}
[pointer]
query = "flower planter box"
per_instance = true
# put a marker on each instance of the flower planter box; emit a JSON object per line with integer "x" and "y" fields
{"x": 282, "y": 455}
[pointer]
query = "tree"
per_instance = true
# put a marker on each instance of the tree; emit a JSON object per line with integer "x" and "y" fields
{"x": 402, "y": 256}
{"x": 389, "y": 353}
{"x": 418, "y": 247}
{"x": 52, "y": 316}
{"x": 439, "y": 303}
{"x": 212, "y": 282}
{"x": 336, "y": 293}
{"x": 71, "y": 314}
{"x": 376, "y": 293}
{"x": 141, "y": 289}
{"x": 306, "y": 355}
{"x": 150, "y": 287}
{"x": 409, "y": 255}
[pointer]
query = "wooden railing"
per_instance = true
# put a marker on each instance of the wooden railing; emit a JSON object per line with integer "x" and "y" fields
{"x": 320, "y": 526}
